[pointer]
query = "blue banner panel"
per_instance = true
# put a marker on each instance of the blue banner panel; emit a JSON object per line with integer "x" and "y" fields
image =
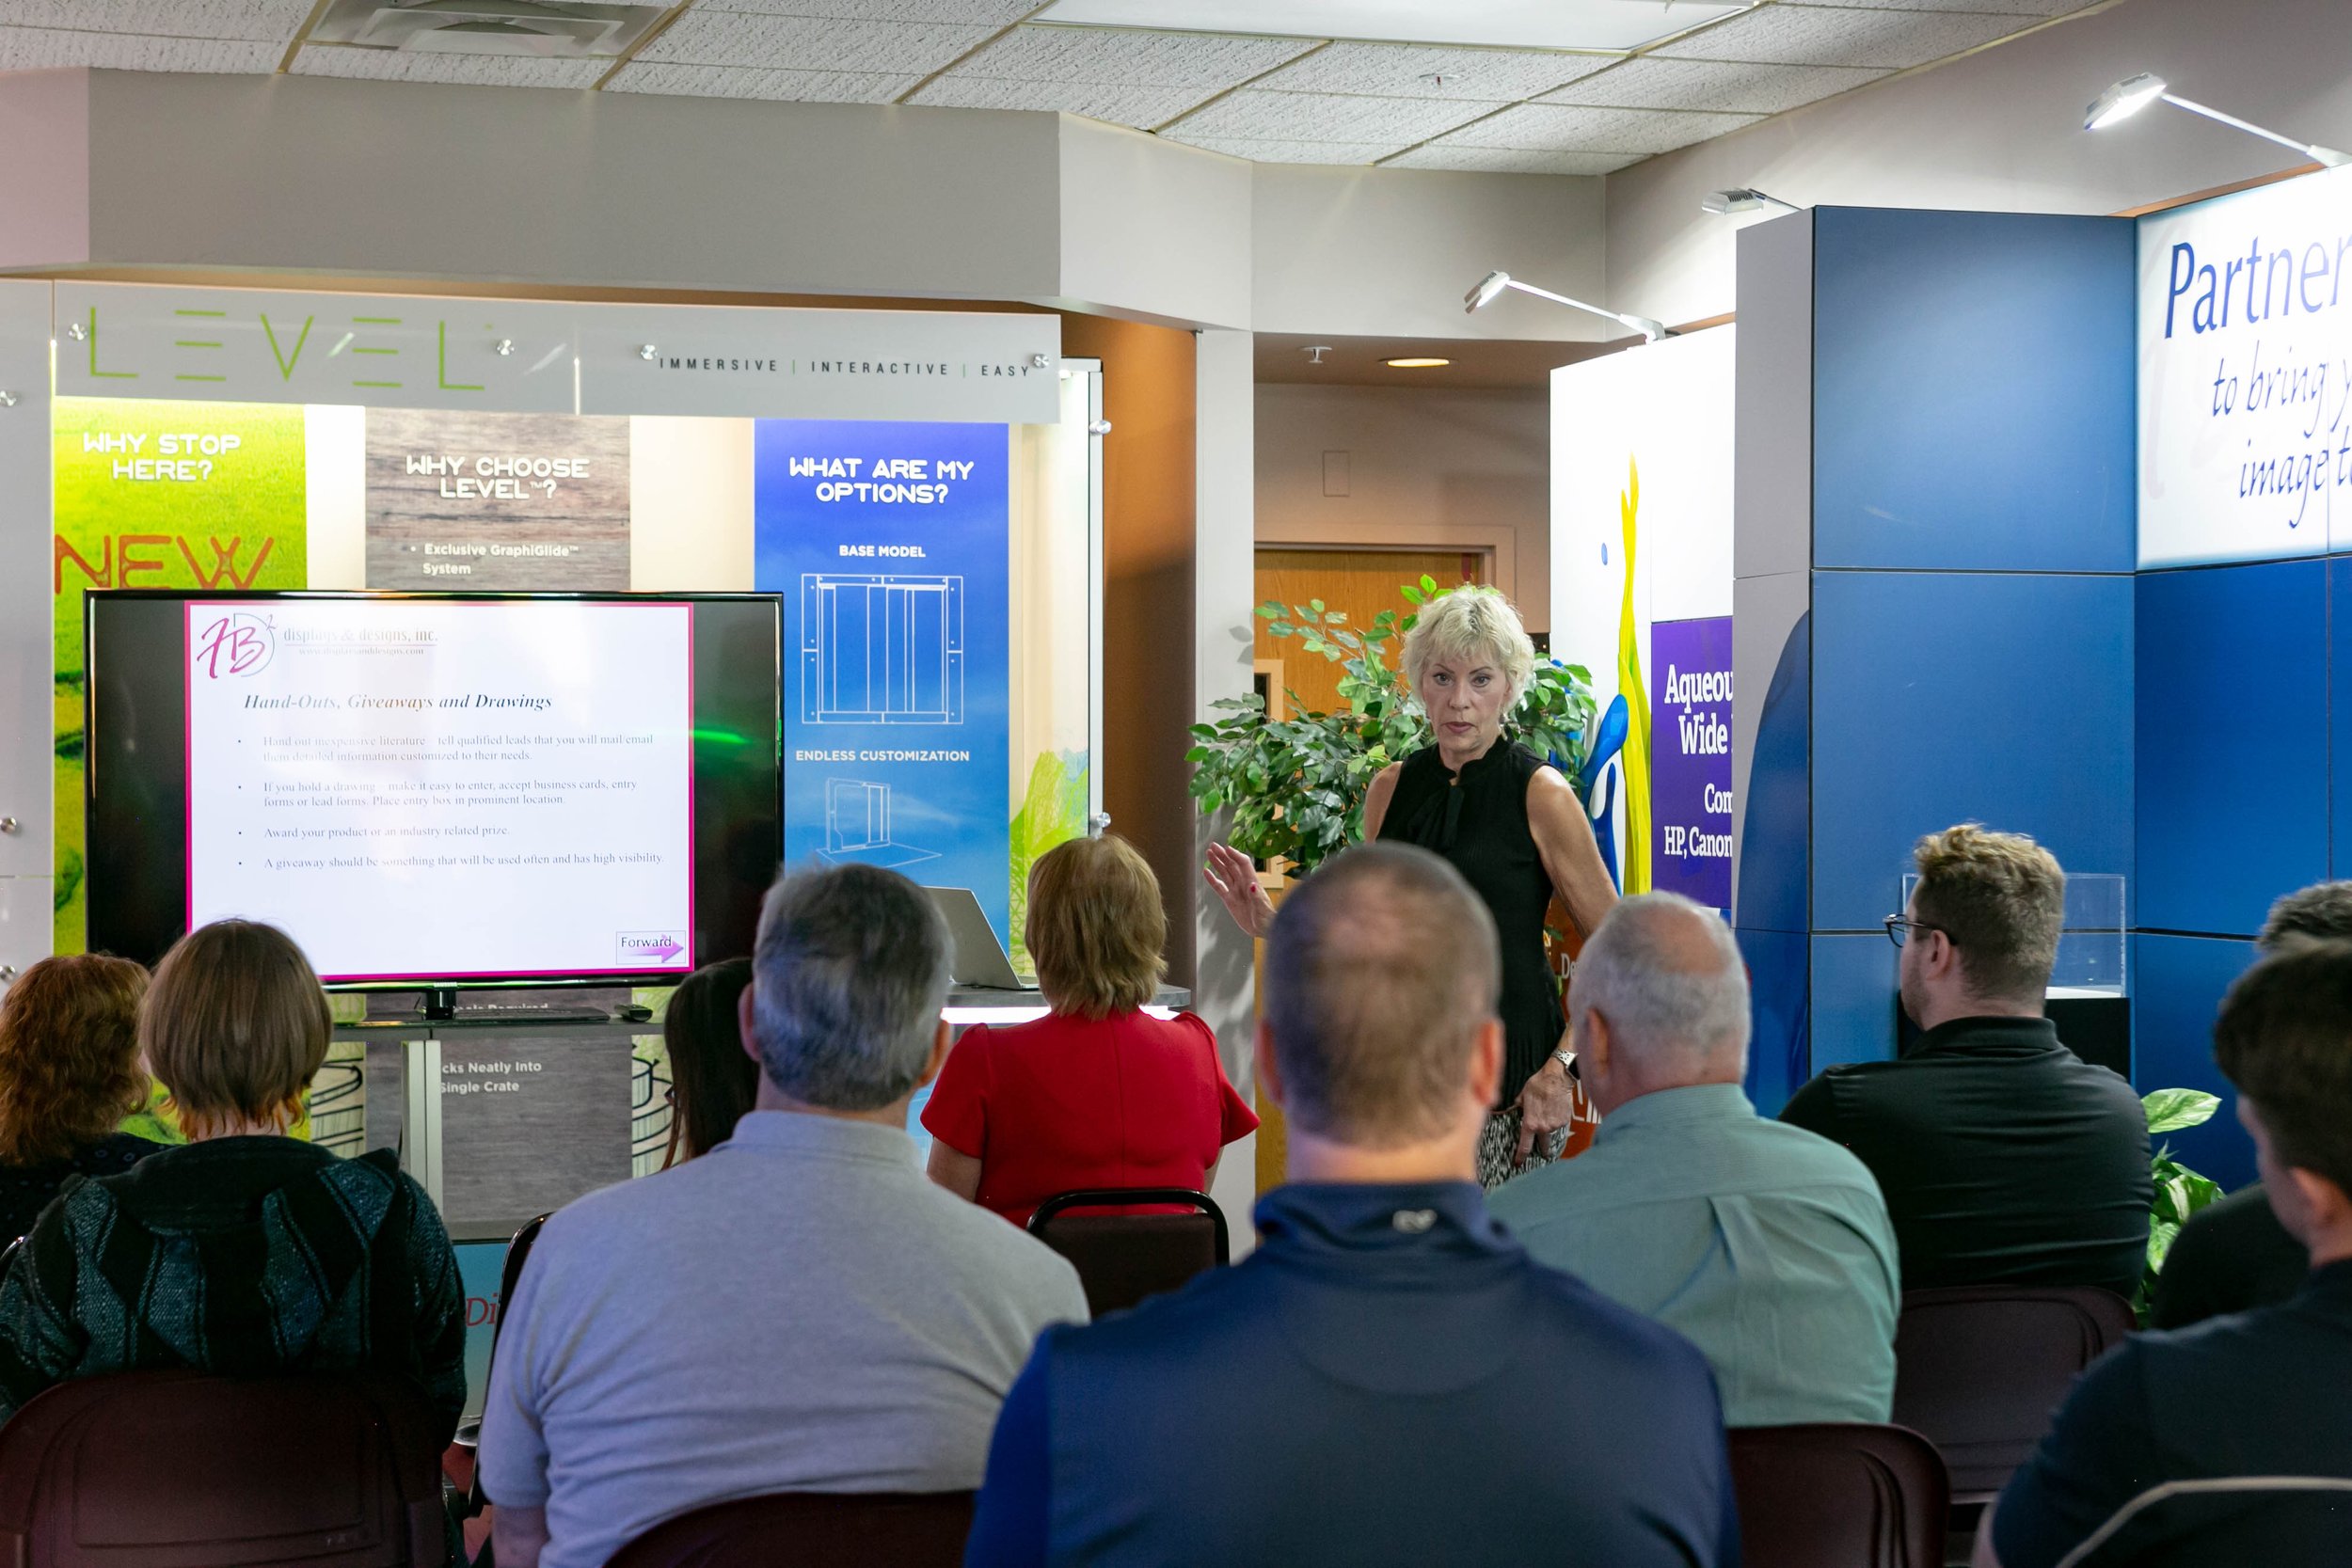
{"x": 1777, "y": 981}
{"x": 890, "y": 544}
{"x": 1776, "y": 835}
{"x": 1854, "y": 999}
{"x": 1973, "y": 391}
{"x": 2004, "y": 699}
{"x": 2177, "y": 986}
{"x": 2232, "y": 715}
{"x": 1690, "y": 782}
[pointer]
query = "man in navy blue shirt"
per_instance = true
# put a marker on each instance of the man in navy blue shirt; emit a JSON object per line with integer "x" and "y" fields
{"x": 2229, "y": 1443}
{"x": 1389, "y": 1379}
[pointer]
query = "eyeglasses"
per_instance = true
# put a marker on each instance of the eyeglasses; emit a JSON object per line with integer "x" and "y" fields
{"x": 1898, "y": 928}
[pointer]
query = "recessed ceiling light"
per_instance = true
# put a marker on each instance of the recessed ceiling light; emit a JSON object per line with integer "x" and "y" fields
{"x": 1604, "y": 24}
{"x": 1417, "y": 363}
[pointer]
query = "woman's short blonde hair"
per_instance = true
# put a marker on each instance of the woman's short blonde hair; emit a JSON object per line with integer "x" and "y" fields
{"x": 1475, "y": 625}
{"x": 1096, "y": 926}
{"x": 234, "y": 1024}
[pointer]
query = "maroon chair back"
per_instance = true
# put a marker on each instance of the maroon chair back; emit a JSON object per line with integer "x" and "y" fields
{"x": 179, "y": 1469}
{"x": 810, "y": 1530}
{"x": 1980, "y": 1369}
{"x": 1122, "y": 1259}
{"x": 1839, "y": 1495}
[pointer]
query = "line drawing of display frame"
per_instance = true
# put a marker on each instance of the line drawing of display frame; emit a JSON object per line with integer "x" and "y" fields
{"x": 880, "y": 649}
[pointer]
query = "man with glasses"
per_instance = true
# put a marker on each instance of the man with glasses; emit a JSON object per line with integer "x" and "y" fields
{"x": 2005, "y": 1159}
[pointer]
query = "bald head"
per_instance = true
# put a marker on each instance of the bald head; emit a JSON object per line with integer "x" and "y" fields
{"x": 1379, "y": 972}
{"x": 1666, "y": 977}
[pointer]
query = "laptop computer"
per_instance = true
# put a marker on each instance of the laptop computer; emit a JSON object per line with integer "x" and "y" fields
{"x": 979, "y": 958}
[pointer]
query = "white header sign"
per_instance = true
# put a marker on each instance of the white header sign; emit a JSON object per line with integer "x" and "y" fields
{"x": 2245, "y": 374}
{"x": 939, "y": 365}
{"x": 255, "y": 345}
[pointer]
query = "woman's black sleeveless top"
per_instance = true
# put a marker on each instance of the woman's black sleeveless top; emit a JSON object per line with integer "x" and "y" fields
{"x": 1478, "y": 820}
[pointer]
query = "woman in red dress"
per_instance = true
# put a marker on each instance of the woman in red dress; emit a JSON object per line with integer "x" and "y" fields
{"x": 1098, "y": 1093}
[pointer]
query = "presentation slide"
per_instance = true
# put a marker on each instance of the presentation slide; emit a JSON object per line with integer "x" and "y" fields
{"x": 446, "y": 790}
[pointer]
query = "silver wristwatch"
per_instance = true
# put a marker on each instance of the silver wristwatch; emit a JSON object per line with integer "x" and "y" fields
{"x": 1567, "y": 1060}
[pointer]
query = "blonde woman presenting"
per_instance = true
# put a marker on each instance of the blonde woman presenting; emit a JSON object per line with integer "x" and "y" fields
{"x": 1509, "y": 823}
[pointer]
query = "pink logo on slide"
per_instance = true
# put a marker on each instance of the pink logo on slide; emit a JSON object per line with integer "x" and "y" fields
{"x": 241, "y": 640}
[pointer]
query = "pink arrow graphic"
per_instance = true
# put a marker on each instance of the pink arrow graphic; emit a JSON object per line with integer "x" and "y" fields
{"x": 667, "y": 951}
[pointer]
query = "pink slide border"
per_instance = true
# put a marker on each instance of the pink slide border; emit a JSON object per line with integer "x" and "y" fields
{"x": 187, "y": 722}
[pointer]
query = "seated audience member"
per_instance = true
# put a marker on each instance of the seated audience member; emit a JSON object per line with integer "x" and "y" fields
{"x": 2005, "y": 1159}
{"x": 69, "y": 1073}
{"x": 712, "y": 1079}
{"x": 1389, "y": 1378}
{"x": 797, "y": 1311}
{"x": 1764, "y": 1245}
{"x": 2234, "y": 1253}
{"x": 2259, "y": 1394}
{"x": 1097, "y": 1093}
{"x": 245, "y": 1251}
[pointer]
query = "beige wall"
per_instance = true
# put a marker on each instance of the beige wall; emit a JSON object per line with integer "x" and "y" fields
{"x": 1465, "y": 468}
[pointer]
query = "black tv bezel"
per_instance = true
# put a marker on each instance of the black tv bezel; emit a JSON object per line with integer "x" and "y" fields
{"x": 585, "y": 978}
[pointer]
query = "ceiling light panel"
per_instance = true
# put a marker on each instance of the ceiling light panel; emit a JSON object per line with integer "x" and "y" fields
{"x": 811, "y": 43}
{"x": 1605, "y": 24}
{"x": 1258, "y": 151}
{"x": 1140, "y": 106}
{"x": 1510, "y": 160}
{"x": 979, "y": 13}
{"x": 276, "y": 20}
{"x": 1654, "y": 82}
{"x": 1831, "y": 35}
{"x": 49, "y": 48}
{"x": 787, "y": 87}
{"x": 1330, "y": 117}
{"x": 1116, "y": 57}
{"x": 1403, "y": 71}
{"x": 1542, "y": 128}
{"x": 480, "y": 71}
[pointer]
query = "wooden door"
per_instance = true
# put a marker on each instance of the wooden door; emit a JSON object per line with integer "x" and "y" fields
{"x": 1360, "y": 583}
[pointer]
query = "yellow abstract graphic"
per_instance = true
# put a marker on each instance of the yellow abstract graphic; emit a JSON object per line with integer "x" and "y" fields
{"x": 1635, "y": 692}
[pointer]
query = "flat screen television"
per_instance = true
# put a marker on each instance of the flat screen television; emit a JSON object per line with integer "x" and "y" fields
{"x": 437, "y": 791}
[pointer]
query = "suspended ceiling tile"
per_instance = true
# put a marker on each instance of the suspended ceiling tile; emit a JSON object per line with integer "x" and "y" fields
{"x": 981, "y": 13}
{"x": 1260, "y": 150}
{"x": 275, "y": 19}
{"x": 1404, "y": 71}
{"x": 48, "y": 48}
{"x": 1652, "y": 81}
{"x": 1832, "y": 35}
{"x": 2031, "y": 11}
{"x": 1544, "y": 128}
{"x": 787, "y": 86}
{"x": 485, "y": 70}
{"x": 811, "y": 43}
{"x": 1137, "y": 106}
{"x": 1113, "y": 56}
{"x": 1509, "y": 159}
{"x": 1330, "y": 117}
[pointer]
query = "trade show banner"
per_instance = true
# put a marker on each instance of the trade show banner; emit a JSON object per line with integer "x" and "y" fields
{"x": 1641, "y": 536}
{"x": 1691, "y": 759}
{"x": 159, "y": 495}
{"x": 2246, "y": 375}
{"x": 890, "y": 543}
{"x": 497, "y": 501}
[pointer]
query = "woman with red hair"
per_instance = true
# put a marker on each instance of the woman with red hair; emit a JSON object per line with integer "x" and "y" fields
{"x": 70, "y": 1072}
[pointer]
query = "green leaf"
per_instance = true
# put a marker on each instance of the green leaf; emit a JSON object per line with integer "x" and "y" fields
{"x": 1429, "y": 583}
{"x": 2170, "y": 1110}
{"x": 1271, "y": 610}
{"x": 1281, "y": 628}
{"x": 1414, "y": 594}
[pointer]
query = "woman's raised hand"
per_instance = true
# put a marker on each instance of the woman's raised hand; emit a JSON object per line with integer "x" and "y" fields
{"x": 1235, "y": 880}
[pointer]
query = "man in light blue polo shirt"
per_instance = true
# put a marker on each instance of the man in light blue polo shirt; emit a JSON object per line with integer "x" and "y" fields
{"x": 1767, "y": 1247}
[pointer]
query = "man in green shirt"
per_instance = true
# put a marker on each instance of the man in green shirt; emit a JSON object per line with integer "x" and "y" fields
{"x": 1767, "y": 1247}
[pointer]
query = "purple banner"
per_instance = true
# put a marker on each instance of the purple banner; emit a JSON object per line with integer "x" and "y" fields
{"x": 1691, "y": 759}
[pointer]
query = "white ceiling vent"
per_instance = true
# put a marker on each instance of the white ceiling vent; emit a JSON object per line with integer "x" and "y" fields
{"x": 538, "y": 29}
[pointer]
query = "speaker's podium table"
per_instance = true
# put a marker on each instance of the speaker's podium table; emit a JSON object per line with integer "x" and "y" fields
{"x": 511, "y": 1108}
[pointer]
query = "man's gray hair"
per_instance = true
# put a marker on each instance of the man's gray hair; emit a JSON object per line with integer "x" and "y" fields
{"x": 847, "y": 981}
{"x": 1667, "y": 976}
{"x": 2322, "y": 911}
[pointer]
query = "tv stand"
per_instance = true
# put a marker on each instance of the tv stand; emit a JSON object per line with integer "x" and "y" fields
{"x": 438, "y": 1005}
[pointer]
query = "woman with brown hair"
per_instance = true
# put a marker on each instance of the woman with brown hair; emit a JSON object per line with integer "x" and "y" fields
{"x": 246, "y": 1251}
{"x": 69, "y": 1073}
{"x": 713, "y": 1078}
{"x": 1098, "y": 1093}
